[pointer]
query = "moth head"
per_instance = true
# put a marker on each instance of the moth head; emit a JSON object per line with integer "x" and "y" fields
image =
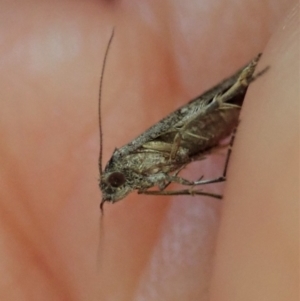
{"x": 114, "y": 186}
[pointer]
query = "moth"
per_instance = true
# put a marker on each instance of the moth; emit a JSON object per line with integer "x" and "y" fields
{"x": 155, "y": 158}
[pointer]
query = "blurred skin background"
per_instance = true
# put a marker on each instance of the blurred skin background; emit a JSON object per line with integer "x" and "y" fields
{"x": 53, "y": 244}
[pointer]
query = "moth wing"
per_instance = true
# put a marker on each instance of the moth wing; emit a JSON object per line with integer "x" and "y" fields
{"x": 166, "y": 124}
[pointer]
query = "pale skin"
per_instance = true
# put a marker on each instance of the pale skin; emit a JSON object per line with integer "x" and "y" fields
{"x": 162, "y": 55}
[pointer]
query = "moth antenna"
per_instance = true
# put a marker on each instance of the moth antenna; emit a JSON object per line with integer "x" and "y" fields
{"x": 99, "y": 103}
{"x": 99, "y": 112}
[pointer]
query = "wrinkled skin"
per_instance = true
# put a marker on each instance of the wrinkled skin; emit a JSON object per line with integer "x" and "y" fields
{"x": 164, "y": 53}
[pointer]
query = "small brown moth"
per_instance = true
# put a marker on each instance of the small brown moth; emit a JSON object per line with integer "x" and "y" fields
{"x": 155, "y": 158}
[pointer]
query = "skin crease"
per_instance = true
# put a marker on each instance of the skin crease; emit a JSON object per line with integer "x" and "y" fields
{"x": 162, "y": 55}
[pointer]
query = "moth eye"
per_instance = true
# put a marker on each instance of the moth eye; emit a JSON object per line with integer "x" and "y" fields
{"x": 116, "y": 179}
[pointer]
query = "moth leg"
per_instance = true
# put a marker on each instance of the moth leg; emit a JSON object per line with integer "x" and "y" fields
{"x": 167, "y": 183}
{"x": 218, "y": 102}
{"x": 223, "y": 177}
{"x": 229, "y": 153}
{"x": 157, "y": 146}
{"x": 177, "y": 141}
{"x": 245, "y": 78}
{"x": 181, "y": 192}
{"x": 186, "y": 182}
